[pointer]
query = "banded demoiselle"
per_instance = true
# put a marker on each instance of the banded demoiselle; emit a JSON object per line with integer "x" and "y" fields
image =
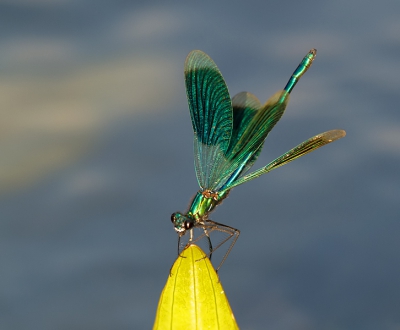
{"x": 228, "y": 138}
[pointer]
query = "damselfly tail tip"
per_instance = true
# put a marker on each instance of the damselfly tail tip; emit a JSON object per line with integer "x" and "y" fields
{"x": 312, "y": 54}
{"x": 334, "y": 135}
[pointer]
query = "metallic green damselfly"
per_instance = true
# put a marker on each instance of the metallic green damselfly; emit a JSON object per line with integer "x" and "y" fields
{"x": 228, "y": 137}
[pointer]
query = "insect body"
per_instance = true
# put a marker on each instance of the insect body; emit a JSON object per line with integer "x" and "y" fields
{"x": 228, "y": 137}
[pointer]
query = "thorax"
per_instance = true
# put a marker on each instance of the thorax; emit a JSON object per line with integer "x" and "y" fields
{"x": 204, "y": 202}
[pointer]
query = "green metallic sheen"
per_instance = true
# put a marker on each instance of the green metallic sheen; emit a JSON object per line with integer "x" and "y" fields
{"x": 301, "y": 69}
{"x": 201, "y": 206}
{"x": 229, "y": 135}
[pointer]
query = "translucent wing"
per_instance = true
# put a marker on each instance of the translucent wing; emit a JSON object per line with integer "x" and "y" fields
{"x": 227, "y": 144}
{"x": 298, "y": 151}
{"x": 245, "y": 106}
{"x": 212, "y": 119}
{"x": 246, "y": 149}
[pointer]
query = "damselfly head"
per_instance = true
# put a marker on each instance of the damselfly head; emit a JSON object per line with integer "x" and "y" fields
{"x": 181, "y": 222}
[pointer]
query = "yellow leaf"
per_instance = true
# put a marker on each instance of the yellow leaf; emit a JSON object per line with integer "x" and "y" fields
{"x": 193, "y": 297}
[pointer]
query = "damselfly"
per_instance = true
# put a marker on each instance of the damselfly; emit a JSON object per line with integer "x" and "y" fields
{"x": 228, "y": 137}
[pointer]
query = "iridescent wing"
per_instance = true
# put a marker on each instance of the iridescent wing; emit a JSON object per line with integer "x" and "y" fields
{"x": 302, "y": 149}
{"x": 227, "y": 142}
{"x": 245, "y": 107}
{"x": 212, "y": 119}
{"x": 244, "y": 151}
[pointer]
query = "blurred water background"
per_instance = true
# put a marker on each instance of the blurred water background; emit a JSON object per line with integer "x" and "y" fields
{"x": 96, "y": 153}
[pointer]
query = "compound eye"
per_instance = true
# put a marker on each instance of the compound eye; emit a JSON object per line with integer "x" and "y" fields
{"x": 188, "y": 224}
{"x": 173, "y": 218}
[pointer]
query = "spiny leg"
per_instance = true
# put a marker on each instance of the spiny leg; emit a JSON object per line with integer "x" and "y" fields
{"x": 179, "y": 244}
{"x": 179, "y": 255}
{"x": 210, "y": 247}
{"x": 190, "y": 241}
{"x": 232, "y": 232}
{"x": 208, "y": 226}
{"x": 187, "y": 244}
